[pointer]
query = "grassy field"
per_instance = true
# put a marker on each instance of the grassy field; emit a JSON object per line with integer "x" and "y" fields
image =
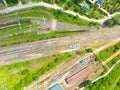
{"x": 25, "y": 26}
{"x": 113, "y": 61}
{"x": 110, "y": 82}
{"x": 18, "y": 75}
{"x": 30, "y": 37}
{"x": 106, "y": 53}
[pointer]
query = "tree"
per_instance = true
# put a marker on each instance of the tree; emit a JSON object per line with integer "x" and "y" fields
{"x": 89, "y": 50}
{"x": 116, "y": 19}
{"x": 12, "y": 1}
{"x": 109, "y": 22}
{"x": 87, "y": 83}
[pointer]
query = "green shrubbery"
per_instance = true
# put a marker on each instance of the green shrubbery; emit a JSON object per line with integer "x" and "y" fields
{"x": 12, "y": 2}
{"x": 114, "y": 21}
{"x": 111, "y": 6}
{"x": 64, "y": 17}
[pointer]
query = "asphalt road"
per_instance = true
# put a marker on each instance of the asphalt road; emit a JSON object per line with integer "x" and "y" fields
{"x": 52, "y": 46}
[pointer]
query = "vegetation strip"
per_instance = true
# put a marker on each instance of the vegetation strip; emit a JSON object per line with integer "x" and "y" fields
{"x": 30, "y": 37}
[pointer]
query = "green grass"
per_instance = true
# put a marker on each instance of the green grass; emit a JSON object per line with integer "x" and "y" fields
{"x": 106, "y": 82}
{"x": 18, "y": 75}
{"x": 83, "y": 52}
{"x": 23, "y": 38}
{"x": 16, "y": 29}
{"x": 113, "y": 61}
{"x": 117, "y": 87}
{"x": 106, "y": 53}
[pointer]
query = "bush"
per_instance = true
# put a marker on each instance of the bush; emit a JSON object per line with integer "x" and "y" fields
{"x": 109, "y": 23}
{"x": 114, "y": 21}
{"x": 12, "y": 1}
{"x": 89, "y": 50}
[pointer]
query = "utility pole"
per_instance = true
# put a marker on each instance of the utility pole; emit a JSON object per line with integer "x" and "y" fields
{"x": 18, "y": 20}
{"x": 19, "y": 24}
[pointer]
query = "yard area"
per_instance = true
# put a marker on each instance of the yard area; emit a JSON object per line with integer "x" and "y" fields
{"x": 112, "y": 6}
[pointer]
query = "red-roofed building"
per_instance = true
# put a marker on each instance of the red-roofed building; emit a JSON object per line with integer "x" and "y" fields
{"x": 83, "y": 72}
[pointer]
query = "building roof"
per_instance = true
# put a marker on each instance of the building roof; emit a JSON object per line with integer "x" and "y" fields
{"x": 56, "y": 87}
{"x": 83, "y": 72}
{"x": 99, "y": 2}
{"x": 85, "y": 7}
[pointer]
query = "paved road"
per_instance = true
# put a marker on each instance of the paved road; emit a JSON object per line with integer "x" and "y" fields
{"x": 52, "y": 46}
{"x": 54, "y": 6}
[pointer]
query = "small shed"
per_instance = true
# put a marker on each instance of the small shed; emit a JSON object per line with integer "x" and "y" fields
{"x": 85, "y": 7}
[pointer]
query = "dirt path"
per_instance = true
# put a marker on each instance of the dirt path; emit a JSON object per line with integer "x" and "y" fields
{"x": 111, "y": 57}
